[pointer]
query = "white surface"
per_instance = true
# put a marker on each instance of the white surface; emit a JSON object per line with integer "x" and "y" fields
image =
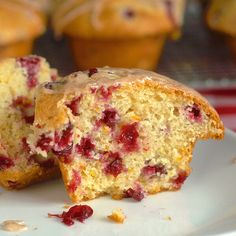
{"x": 206, "y": 205}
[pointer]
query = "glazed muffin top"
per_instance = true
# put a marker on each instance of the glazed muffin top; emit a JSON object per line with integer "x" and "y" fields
{"x": 221, "y": 16}
{"x": 20, "y": 20}
{"x": 117, "y": 18}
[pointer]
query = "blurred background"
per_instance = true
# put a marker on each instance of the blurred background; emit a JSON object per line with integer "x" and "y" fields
{"x": 199, "y": 58}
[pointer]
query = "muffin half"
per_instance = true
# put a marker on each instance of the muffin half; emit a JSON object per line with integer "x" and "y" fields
{"x": 121, "y": 132}
{"x": 19, "y": 79}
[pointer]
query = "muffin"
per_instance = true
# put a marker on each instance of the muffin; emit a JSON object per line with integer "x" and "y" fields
{"x": 21, "y": 22}
{"x": 118, "y": 33}
{"x": 122, "y": 132}
{"x": 19, "y": 79}
{"x": 221, "y": 17}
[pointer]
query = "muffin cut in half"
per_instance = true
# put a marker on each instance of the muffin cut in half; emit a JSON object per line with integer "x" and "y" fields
{"x": 18, "y": 81}
{"x": 121, "y": 132}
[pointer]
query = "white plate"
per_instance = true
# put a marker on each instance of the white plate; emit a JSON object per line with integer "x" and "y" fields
{"x": 206, "y": 205}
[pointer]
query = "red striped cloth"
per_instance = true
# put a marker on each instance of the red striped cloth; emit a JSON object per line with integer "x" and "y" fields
{"x": 224, "y": 101}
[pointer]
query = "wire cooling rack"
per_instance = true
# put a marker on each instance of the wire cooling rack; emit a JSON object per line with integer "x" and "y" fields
{"x": 199, "y": 58}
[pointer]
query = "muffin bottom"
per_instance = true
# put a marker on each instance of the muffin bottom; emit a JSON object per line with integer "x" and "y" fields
{"x": 132, "y": 53}
{"x": 17, "y": 49}
{"x": 15, "y": 179}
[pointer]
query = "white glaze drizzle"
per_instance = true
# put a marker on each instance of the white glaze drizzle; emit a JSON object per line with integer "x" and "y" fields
{"x": 13, "y": 226}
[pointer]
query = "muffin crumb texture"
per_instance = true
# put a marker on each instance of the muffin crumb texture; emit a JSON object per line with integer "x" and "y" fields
{"x": 19, "y": 79}
{"x": 117, "y": 216}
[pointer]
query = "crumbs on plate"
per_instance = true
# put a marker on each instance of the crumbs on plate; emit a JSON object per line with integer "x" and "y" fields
{"x": 117, "y": 216}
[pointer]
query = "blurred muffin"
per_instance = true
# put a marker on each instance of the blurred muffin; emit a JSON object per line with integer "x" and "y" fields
{"x": 118, "y": 33}
{"x": 21, "y": 21}
{"x": 221, "y": 17}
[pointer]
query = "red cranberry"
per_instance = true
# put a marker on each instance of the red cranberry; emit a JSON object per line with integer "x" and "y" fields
{"x": 44, "y": 143}
{"x": 22, "y": 102}
{"x": 129, "y": 13}
{"x": 98, "y": 124}
{"x": 54, "y": 75}
{"x": 106, "y": 92}
{"x": 5, "y": 162}
{"x": 93, "y": 89}
{"x": 29, "y": 119}
{"x": 193, "y": 113}
{"x": 32, "y": 66}
{"x": 63, "y": 143}
{"x": 128, "y": 137}
{"x": 153, "y": 170}
{"x": 115, "y": 165}
{"x": 179, "y": 180}
{"x": 75, "y": 182}
{"x": 149, "y": 170}
{"x": 137, "y": 194}
{"x": 25, "y": 145}
{"x": 92, "y": 71}
{"x": 26, "y": 107}
{"x": 77, "y": 212}
{"x": 73, "y": 105}
{"x": 110, "y": 117}
{"x": 85, "y": 147}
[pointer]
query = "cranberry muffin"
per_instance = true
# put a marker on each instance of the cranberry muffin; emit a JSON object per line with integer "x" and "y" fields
{"x": 19, "y": 79}
{"x": 123, "y": 132}
{"x": 117, "y": 33}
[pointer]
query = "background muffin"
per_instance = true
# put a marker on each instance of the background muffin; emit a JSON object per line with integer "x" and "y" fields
{"x": 119, "y": 33}
{"x": 21, "y": 21}
{"x": 221, "y": 17}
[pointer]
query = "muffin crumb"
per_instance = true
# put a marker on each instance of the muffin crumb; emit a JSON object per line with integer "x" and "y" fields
{"x": 168, "y": 218}
{"x": 117, "y": 216}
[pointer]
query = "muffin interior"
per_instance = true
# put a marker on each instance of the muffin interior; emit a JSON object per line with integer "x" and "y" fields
{"x": 121, "y": 139}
